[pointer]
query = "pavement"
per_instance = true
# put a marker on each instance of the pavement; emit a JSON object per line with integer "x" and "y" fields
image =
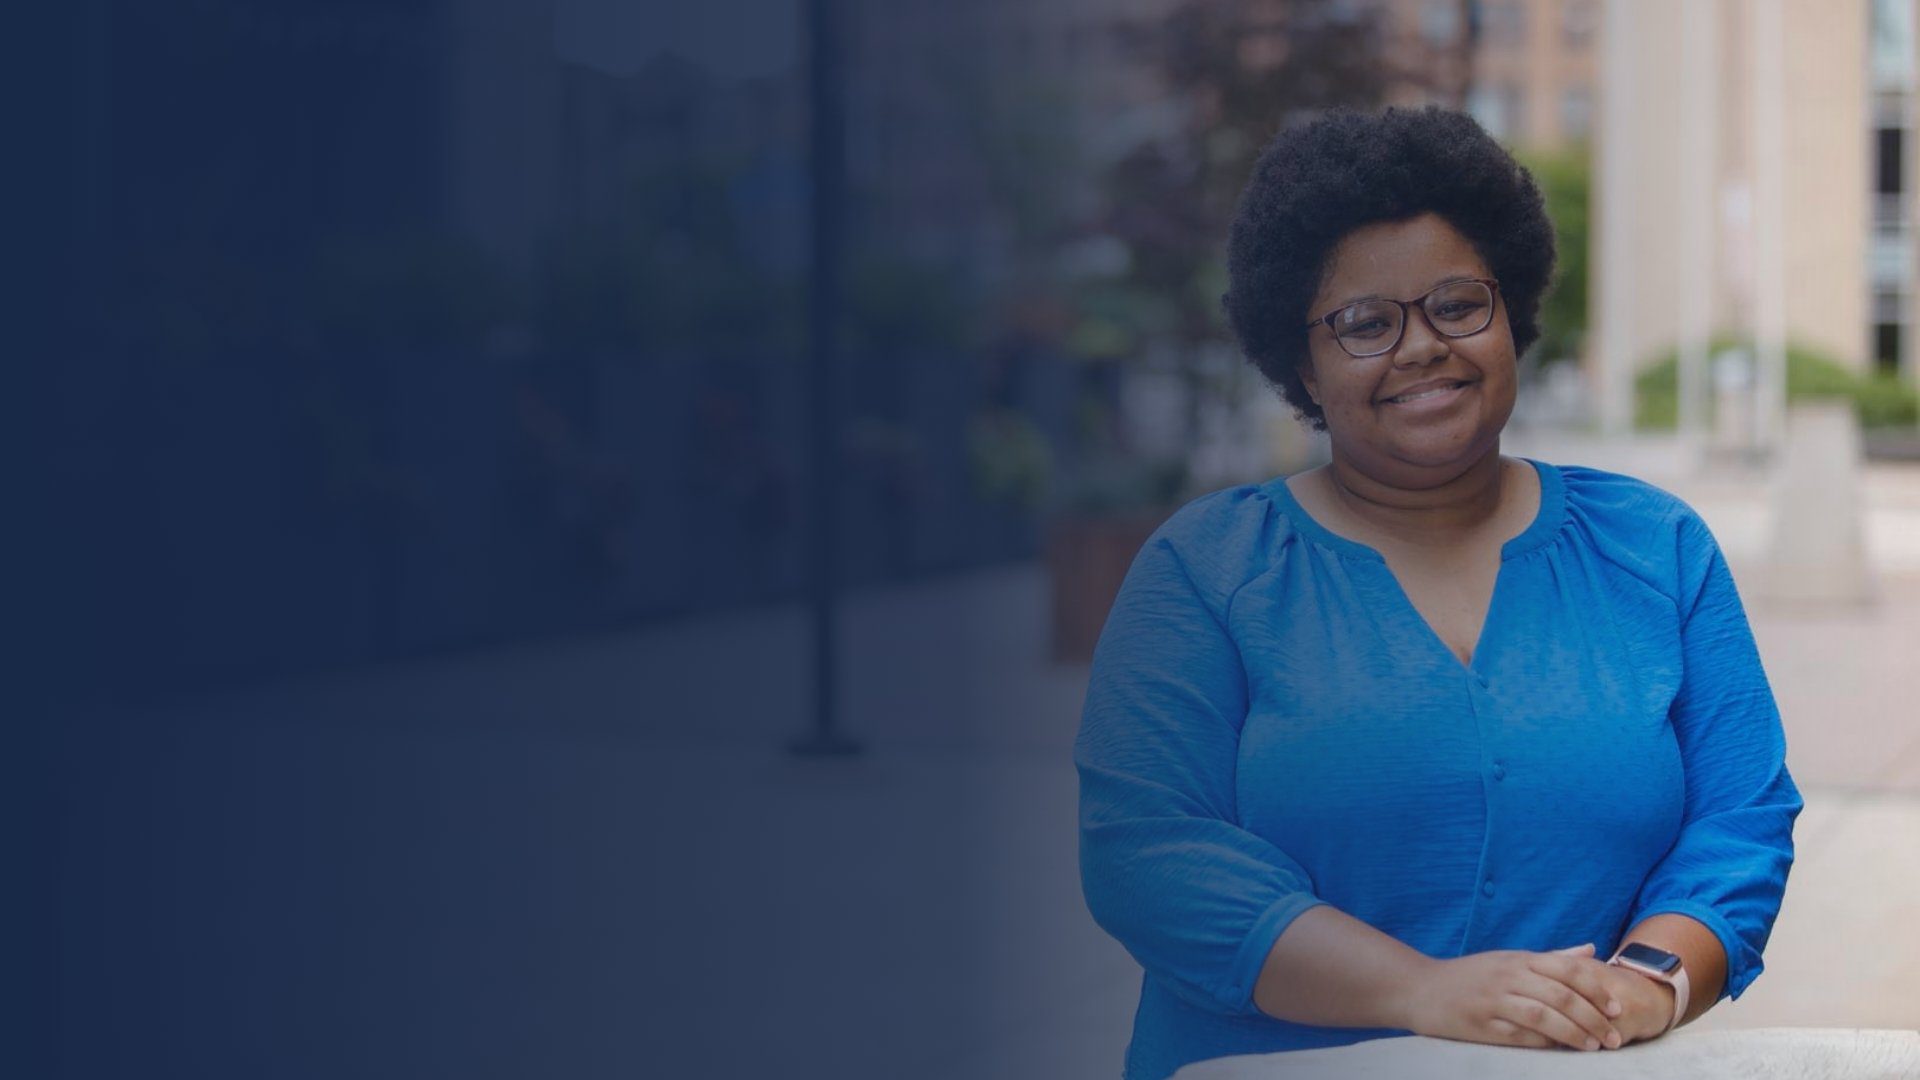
{"x": 595, "y": 857}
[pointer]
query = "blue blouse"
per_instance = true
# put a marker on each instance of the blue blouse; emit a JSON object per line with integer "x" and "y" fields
{"x": 1271, "y": 725}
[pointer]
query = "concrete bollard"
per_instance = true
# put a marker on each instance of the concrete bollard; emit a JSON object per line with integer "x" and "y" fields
{"x": 1816, "y": 545}
{"x": 1732, "y": 403}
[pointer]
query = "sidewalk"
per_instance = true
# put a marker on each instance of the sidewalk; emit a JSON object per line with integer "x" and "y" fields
{"x": 594, "y": 858}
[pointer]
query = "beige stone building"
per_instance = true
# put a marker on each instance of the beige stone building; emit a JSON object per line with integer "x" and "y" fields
{"x": 1754, "y": 180}
{"x": 1528, "y": 65}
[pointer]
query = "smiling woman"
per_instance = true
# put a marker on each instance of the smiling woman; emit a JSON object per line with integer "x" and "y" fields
{"x": 1416, "y": 741}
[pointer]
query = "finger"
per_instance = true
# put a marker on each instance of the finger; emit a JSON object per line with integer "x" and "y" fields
{"x": 1634, "y": 991}
{"x": 1513, "y": 1034}
{"x": 1586, "y": 976}
{"x": 1570, "y": 1003}
{"x": 1587, "y": 948}
{"x": 1536, "y": 1015}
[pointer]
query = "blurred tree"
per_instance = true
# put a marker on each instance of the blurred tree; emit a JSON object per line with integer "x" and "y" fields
{"x": 1240, "y": 70}
{"x": 671, "y": 268}
{"x": 1565, "y": 178}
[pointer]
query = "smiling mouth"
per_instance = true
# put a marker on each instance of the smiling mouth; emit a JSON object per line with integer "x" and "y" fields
{"x": 1422, "y": 395}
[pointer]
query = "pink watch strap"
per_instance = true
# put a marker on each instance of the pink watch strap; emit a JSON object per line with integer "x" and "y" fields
{"x": 1678, "y": 980}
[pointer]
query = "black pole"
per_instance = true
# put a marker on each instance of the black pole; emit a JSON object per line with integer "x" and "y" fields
{"x": 827, "y": 169}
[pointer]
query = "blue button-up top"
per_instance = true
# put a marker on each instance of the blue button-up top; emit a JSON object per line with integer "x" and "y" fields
{"x": 1271, "y": 725}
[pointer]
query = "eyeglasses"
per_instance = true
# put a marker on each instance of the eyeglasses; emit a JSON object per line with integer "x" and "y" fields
{"x": 1455, "y": 309}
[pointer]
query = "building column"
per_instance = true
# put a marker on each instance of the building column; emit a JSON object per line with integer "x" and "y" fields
{"x": 1698, "y": 187}
{"x": 1767, "y": 117}
{"x": 1614, "y": 357}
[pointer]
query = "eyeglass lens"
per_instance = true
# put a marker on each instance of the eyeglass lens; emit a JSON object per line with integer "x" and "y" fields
{"x": 1372, "y": 327}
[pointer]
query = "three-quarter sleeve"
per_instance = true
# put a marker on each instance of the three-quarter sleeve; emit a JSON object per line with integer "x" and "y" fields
{"x": 1167, "y": 870}
{"x": 1728, "y": 867}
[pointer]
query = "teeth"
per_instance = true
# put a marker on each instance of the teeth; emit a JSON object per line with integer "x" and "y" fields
{"x": 1426, "y": 393}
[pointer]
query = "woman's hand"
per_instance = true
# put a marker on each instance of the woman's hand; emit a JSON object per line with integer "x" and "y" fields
{"x": 1647, "y": 1003}
{"x": 1518, "y": 998}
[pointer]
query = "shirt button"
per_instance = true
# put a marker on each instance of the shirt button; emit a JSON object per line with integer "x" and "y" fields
{"x": 1482, "y": 680}
{"x": 1486, "y": 887}
{"x": 1499, "y": 771}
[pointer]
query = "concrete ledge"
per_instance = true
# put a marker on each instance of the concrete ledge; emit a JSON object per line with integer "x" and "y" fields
{"x": 1757, "y": 1054}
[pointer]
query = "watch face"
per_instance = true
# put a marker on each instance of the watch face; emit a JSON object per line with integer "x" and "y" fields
{"x": 1659, "y": 960}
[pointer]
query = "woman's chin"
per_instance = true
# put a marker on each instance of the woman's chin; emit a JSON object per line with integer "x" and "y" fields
{"x": 1461, "y": 441}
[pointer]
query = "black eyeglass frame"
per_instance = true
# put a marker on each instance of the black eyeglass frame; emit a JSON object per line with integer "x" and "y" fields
{"x": 1493, "y": 302}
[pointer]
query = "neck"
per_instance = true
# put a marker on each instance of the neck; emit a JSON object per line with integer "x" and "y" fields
{"x": 1429, "y": 516}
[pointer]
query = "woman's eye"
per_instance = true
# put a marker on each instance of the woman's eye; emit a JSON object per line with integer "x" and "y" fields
{"x": 1365, "y": 328}
{"x": 1457, "y": 309}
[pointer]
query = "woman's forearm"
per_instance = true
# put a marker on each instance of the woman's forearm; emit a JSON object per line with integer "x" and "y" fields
{"x": 1700, "y": 952}
{"x": 1332, "y": 970}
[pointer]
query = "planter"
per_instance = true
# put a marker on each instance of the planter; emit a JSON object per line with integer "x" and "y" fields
{"x": 1892, "y": 444}
{"x": 1087, "y": 559}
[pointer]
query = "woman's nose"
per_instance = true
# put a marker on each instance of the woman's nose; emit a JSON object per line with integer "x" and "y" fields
{"x": 1419, "y": 343}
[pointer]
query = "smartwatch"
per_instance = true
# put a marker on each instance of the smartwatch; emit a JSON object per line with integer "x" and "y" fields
{"x": 1659, "y": 965}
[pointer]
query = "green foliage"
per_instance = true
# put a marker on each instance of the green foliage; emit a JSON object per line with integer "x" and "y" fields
{"x": 894, "y": 303}
{"x": 1115, "y": 320}
{"x": 1885, "y": 401}
{"x": 678, "y": 270}
{"x": 1108, "y": 485}
{"x": 1010, "y": 459}
{"x": 1880, "y": 399}
{"x": 1812, "y": 374}
{"x": 1656, "y": 395}
{"x": 1565, "y": 179}
{"x": 674, "y": 270}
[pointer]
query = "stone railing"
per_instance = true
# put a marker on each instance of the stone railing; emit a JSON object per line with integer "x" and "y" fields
{"x": 1757, "y": 1054}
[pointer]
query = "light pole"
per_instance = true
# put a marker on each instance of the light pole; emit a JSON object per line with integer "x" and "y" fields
{"x": 826, "y": 157}
{"x": 1767, "y": 117}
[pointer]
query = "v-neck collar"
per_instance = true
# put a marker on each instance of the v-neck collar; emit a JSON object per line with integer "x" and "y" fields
{"x": 1546, "y": 520}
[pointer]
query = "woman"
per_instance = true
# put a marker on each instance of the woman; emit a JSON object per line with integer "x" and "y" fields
{"x": 1420, "y": 740}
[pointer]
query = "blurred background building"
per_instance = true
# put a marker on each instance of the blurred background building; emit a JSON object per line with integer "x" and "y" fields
{"x": 1754, "y": 203}
{"x": 1534, "y": 67}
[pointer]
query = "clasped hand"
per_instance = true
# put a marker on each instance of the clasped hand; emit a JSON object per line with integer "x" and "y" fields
{"x": 1517, "y": 998}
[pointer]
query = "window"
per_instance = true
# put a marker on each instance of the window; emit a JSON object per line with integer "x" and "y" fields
{"x": 1485, "y": 105}
{"x": 1889, "y": 164}
{"x": 1890, "y": 48}
{"x": 1887, "y": 255}
{"x": 1498, "y": 108}
{"x": 1578, "y": 19}
{"x": 1344, "y": 11}
{"x": 1440, "y": 22}
{"x": 1503, "y": 22}
{"x": 1886, "y": 346}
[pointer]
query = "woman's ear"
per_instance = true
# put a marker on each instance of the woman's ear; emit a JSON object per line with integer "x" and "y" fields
{"x": 1309, "y": 380}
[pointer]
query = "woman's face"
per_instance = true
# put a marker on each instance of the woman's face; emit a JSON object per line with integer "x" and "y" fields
{"x": 1411, "y": 443}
